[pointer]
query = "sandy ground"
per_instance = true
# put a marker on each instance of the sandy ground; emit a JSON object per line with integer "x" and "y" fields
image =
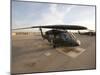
{"x": 30, "y": 53}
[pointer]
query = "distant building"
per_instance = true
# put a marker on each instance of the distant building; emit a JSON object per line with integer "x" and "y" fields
{"x": 23, "y": 33}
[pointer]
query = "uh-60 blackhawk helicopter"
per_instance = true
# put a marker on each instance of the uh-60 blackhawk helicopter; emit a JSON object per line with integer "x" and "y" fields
{"x": 58, "y": 35}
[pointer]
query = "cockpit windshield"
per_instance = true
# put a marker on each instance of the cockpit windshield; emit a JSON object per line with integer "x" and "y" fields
{"x": 66, "y": 36}
{"x": 72, "y": 35}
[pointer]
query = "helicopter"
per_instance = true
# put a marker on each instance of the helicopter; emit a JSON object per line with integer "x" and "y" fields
{"x": 59, "y": 35}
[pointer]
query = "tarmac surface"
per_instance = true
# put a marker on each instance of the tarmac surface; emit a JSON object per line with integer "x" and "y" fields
{"x": 30, "y": 53}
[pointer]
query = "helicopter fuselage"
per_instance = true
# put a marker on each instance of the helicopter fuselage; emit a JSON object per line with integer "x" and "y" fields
{"x": 61, "y": 38}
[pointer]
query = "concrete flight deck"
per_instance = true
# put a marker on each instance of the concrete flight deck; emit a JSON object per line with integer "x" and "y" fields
{"x": 30, "y": 53}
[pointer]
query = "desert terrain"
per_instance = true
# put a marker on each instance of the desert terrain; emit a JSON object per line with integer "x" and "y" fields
{"x": 30, "y": 53}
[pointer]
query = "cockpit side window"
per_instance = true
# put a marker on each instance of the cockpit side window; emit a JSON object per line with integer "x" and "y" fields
{"x": 57, "y": 36}
{"x": 51, "y": 36}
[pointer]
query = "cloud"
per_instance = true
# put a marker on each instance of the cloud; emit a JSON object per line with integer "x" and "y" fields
{"x": 81, "y": 13}
{"x": 31, "y": 14}
{"x": 27, "y": 13}
{"x": 55, "y": 16}
{"x": 76, "y": 15}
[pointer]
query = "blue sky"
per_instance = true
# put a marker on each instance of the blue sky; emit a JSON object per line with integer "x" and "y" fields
{"x": 25, "y": 14}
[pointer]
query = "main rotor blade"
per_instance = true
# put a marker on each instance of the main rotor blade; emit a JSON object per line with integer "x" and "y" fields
{"x": 68, "y": 27}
